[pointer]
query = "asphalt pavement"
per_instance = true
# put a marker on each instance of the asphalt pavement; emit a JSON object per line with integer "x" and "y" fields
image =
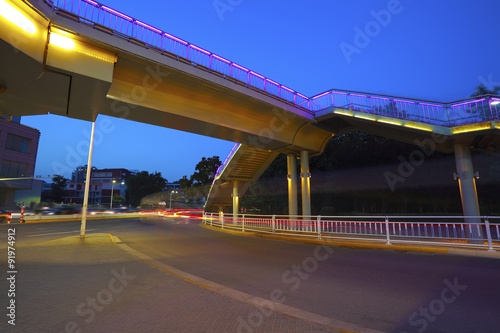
{"x": 166, "y": 275}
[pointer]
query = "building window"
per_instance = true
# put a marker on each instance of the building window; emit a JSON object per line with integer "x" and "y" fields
{"x": 18, "y": 143}
{"x": 13, "y": 169}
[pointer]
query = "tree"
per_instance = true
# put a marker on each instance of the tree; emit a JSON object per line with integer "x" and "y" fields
{"x": 198, "y": 185}
{"x": 142, "y": 184}
{"x": 205, "y": 171}
{"x": 478, "y": 110}
{"x": 118, "y": 199}
{"x": 482, "y": 90}
{"x": 58, "y": 187}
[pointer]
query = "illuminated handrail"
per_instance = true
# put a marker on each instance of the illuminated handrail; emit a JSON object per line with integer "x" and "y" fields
{"x": 471, "y": 110}
{"x": 468, "y": 111}
{"x": 437, "y": 230}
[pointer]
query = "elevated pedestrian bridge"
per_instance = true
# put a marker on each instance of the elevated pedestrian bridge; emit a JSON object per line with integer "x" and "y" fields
{"x": 80, "y": 58}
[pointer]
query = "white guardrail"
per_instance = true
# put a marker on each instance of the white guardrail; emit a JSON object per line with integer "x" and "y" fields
{"x": 482, "y": 231}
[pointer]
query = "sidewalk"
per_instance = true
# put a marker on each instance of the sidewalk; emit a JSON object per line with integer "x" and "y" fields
{"x": 101, "y": 285}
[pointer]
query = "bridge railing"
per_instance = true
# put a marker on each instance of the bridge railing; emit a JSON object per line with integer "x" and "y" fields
{"x": 467, "y": 111}
{"x": 482, "y": 231}
{"x": 124, "y": 26}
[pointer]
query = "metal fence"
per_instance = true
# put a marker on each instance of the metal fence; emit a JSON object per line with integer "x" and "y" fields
{"x": 468, "y": 111}
{"x": 482, "y": 231}
{"x": 101, "y": 17}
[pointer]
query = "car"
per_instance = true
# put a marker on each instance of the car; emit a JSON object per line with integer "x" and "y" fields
{"x": 5, "y": 216}
{"x": 60, "y": 211}
{"x": 67, "y": 210}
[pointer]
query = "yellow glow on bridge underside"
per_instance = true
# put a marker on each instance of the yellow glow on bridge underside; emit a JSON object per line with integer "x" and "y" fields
{"x": 16, "y": 17}
{"x": 391, "y": 122}
{"x": 344, "y": 113}
{"x": 62, "y": 41}
{"x": 364, "y": 117}
{"x": 470, "y": 128}
{"x": 418, "y": 127}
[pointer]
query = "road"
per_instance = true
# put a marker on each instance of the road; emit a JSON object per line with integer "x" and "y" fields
{"x": 384, "y": 290}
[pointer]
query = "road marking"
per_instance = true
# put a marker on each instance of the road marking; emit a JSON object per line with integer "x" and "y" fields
{"x": 59, "y": 233}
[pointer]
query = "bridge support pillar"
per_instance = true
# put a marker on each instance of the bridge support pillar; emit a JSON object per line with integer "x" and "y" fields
{"x": 467, "y": 185}
{"x": 305, "y": 181}
{"x": 292, "y": 185}
{"x": 236, "y": 202}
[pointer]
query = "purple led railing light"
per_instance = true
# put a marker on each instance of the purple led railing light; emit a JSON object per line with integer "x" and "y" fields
{"x": 148, "y": 27}
{"x": 401, "y": 101}
{"x": 94, "y": 3}
{"x": 221, "y": 59}
{"x": 258, "y": 75}
{"x": 470, "y": 102}
{"x": 323, "y": 94}
{"x": 175, "y": 38}
{"x": 240, "y": 67}
{"x": 199, "y": 49}
{"x": 433, "y": 105}
{"x": 223, "y": 165}
{"x": 112, "y": 11}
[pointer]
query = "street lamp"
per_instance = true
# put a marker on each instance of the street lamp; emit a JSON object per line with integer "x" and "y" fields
{"x": 112, "y": 188}
{"x": 172, "y": 191}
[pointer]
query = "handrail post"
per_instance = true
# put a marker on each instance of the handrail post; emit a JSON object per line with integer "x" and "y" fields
{"x": 222, "y": 220}
{"x": 488, "y": 234}
{"x": 211, "y": 219}
{"x": 318, "y": 226}
{"x": 387, "y": 230}
{"x": 243, "y": 223}
{"x": 274, "y": 224}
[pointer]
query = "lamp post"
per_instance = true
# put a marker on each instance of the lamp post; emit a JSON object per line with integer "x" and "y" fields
{"x": 172, "y": 191}
{"x": 112, "y": 188}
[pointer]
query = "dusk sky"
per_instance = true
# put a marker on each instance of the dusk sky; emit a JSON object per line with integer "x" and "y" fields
{"x": 428, "y": 49}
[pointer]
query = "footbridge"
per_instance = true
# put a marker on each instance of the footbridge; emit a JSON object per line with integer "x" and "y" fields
{"x": 80, "y": 58}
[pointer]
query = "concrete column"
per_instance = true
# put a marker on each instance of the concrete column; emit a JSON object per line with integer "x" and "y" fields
{"x": 292, "y": 185}
{"x": 305, "y": 181}
{"x": 236, "y": 201}
{"x": 467, "y": 185}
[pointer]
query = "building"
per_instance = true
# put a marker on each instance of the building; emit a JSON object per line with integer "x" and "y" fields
{"x": 80, "y": 174}
{"x": 172, "y": 187}
{"x": 104, "y": 183}
{"x": 75, "y": 192}
{"x": 18, "y": 152}
{"x": 112, "y": 183}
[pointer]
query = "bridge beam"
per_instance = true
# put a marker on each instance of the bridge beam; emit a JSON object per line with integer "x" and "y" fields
{"x": 305, "y": 181}
{"x": 292, "y": 185}
{"x": 467, "y": 185}
{"x": 236, "y": 201}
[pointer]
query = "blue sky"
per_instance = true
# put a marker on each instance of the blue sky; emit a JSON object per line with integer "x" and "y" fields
{"x": 427, "y": 49}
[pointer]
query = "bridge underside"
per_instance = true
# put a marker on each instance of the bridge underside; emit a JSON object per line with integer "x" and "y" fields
{"x": 110, "y": 76}
{"x": 245, "y": 166}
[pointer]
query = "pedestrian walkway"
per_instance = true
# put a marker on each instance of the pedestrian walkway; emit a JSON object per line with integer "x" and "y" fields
{"x": 101, "y": 285}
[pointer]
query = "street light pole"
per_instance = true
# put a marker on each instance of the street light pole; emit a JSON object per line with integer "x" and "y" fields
{"x": 112, "y": 188}
{"x": 87, "y": 185}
